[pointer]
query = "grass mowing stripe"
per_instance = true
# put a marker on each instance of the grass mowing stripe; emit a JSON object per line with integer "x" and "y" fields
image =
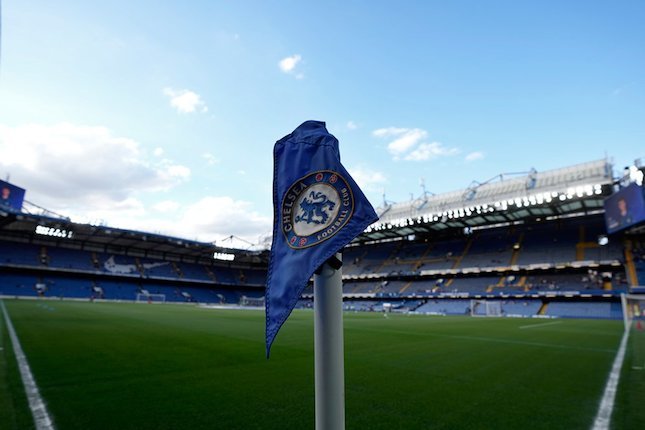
{"x": 539, "y": 325}
{"x": 36, "y": 403}
{"x": 603, "y": 418}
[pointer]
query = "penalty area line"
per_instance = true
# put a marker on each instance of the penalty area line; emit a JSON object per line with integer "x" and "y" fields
{"x": 36, "y": 403}
{"x": 603, "y": 417}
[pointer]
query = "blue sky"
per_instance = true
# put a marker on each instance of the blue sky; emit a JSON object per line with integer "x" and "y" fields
{"x": 162, "y": 116}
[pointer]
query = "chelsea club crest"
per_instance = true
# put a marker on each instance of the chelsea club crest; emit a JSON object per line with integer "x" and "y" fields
{"x": 315, "y": 208}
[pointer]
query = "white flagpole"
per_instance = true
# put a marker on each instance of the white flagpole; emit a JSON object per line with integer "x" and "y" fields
{"x": 328, "y": 345}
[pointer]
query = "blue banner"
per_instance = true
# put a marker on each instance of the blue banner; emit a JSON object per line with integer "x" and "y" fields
{"x": 11, "y": 197}
{"x": 318, "y": 209}
{"x": 625, "y": 208}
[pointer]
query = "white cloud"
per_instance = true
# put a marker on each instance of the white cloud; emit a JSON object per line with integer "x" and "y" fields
{"x": 288, "y": 65}
{"x": 185, "y": 101}
{"x": 409, "y": 144}
{"x": 165, "y": 206}
{"x": 210, "y": 158}
{"x": 208, "y": 219}
{"x": 477, "y": 155}
{"x": 78, "y": 169}
{"x": 218, "y": 217}
{"x": 428, "y": 151}
{"x": 389, "y": 131}
{"x": 351, "y": 125}
{"x": 158, "y": 152}
{"x": 368, "y": 179}
{"x": 91, "y": 175}
{"x": 172, "y": 170}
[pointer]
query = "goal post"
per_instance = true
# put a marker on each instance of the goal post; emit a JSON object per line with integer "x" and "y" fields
{"x": 485, "y": 308}
{"x": 633, "y": 309}
{"x": 151, "y": 298}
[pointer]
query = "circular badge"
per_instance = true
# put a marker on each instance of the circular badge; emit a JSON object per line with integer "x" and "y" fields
{"x": 315, "y": 208}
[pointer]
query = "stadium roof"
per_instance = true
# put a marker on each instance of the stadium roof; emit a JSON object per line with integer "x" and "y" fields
{"x": 578, "y": 189}
{"x": 42, "y": 229}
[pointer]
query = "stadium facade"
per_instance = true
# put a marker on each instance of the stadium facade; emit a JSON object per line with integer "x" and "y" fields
{"x": 540, "y": 244}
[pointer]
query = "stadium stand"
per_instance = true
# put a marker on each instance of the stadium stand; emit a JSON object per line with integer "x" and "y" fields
{"x": 584, "y": 310}
{"x": 537, "y": 243}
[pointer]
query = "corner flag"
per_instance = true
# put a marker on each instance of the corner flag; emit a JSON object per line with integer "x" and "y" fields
{"x": 317, "y": 210}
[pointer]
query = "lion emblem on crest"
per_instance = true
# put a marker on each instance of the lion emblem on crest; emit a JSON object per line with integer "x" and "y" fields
{"x": 314, "y": 208}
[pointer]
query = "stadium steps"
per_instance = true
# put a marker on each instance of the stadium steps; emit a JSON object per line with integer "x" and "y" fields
{"x": 44, "y": 258}
{"x": 463, "y": 254}
{"x": 632, "y": 278}
{"x": 389, "y": 258}
{"x": 177, "y": 269}
{"x": 460, "y": 258}
{"x": 210, "y": 273}
{"x": 137, "y": 262}
{"x": 580, "y": 249}
{"x": 405, "y": 287}
{"x": 421, "y": 260}
{"x": 583, "y": 244}
{"x": 95, "y": 261}
{"x": 516, "y": 252}
{"x": 543, "y": 309}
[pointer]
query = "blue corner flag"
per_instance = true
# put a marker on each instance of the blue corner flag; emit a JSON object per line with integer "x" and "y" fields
{"x": 317, "y": 210}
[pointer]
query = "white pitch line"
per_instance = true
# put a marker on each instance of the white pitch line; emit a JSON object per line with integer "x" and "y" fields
{"x": 603, "y": 417}
{"x": 539, "y": 325}
{"x": 36, "y": 403}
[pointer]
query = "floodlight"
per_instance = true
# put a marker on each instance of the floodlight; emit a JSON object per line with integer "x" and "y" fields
{"x": 603, "y": 240}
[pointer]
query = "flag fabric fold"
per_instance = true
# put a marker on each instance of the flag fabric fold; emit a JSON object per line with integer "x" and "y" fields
{"x": 318, "y": 209}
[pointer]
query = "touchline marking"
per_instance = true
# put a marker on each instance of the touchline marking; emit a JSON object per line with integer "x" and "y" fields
{"x": 539, "y": 325}
{"x": 36, "y": 403}
{"x": 603, "y": 417}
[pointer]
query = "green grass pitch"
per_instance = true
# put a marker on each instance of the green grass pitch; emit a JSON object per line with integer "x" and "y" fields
{"x": 139, "y": 366}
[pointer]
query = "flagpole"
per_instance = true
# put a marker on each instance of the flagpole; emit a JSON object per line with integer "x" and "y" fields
{"x": 328, "y": 345}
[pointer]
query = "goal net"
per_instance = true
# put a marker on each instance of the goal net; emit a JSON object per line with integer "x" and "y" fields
{"x": 633, "y": 310}
{"x": 151, "y": 298}
{"x": 252, "y": 301}
{"x": 485, "y": 308}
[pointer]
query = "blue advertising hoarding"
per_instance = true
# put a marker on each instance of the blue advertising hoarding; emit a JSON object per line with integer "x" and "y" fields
{"x": 625, "y": 208}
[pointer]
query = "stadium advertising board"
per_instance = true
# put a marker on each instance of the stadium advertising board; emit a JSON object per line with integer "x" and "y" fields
{"x": 11, "y": 196}
{"x": 624, "y": 208}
